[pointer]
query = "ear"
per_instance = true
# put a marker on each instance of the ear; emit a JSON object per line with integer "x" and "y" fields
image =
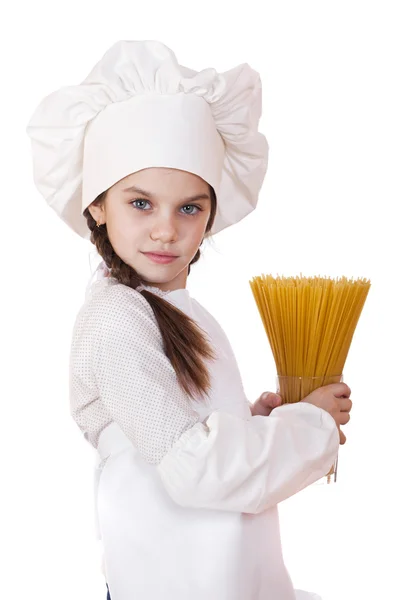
{"x": 97, "y": 212}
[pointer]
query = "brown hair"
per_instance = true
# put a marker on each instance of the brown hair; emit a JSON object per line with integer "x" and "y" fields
{"x": 184, "y": 341}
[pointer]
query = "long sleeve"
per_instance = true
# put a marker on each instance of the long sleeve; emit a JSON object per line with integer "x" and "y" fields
{"x": 117, "y": 349}
{"x": 226, "y": 462}
{"x": 248, "y": 466}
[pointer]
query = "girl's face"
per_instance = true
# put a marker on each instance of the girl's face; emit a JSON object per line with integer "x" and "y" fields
{"x": 157, "y": 210}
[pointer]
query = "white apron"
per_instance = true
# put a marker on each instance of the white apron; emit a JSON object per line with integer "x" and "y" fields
{"x": 155, "y": 549}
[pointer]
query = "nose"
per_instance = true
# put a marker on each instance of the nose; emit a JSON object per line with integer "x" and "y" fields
{"x": 164, "y": 230}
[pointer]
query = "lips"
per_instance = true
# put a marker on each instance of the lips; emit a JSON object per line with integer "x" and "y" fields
{"x": 160, "y": 258}
{"x": 161, "y": 254}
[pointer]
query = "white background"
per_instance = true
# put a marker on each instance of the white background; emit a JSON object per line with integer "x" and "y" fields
{"x": 329, "y": 206}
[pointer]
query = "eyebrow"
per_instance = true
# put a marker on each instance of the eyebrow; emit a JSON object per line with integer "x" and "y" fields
{"x": 138, "y": 190}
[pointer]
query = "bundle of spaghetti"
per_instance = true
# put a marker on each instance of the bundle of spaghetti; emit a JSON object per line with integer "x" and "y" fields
{"x": 310, "y": 323}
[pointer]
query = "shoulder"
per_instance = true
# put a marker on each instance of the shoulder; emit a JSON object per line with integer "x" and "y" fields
{"x": 113, "y": 307}
{"x": 110, "y": 293}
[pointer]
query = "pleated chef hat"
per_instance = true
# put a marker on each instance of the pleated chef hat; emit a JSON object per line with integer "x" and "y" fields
{"x": 139, "y": 108}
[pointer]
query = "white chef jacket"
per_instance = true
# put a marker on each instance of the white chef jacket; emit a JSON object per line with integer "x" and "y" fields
{"x": 186, "y": 490}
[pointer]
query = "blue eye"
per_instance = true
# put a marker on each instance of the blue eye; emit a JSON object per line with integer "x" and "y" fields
{"x": 138, "y": 200}
{"x": 199, "y": 209}
{"x": 193, "y": 206}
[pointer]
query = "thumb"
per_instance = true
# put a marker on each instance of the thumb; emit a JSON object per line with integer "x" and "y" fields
{"x": 271, "y": 399}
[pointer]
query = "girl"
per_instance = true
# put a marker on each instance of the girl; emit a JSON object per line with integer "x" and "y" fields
{"x": 148, "y": 158}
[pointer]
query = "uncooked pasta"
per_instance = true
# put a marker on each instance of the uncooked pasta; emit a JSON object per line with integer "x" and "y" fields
{"x": 310, "y": 323}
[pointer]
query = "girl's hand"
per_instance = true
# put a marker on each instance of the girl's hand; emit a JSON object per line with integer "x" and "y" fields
{"x": 335, "y": 399}
{"x": 265, "y": 404}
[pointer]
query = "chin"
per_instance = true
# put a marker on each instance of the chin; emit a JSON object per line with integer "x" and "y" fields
{"x": 157, "y": 277}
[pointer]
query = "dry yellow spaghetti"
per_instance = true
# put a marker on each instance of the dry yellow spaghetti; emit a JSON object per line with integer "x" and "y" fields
{"x": 310, "y": 323}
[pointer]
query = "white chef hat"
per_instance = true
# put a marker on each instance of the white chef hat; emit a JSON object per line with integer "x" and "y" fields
{"x": 138, "y": 108}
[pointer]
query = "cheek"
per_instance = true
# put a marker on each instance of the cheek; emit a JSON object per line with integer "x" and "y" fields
{"x": 201, "y": 225}
{"x": 197, "y": 233}
{"x": 124, "y": 235}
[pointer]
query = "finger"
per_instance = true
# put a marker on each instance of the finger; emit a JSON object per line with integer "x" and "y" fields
{"x": 342, "y": 390}
{"x": 344, "y": 418}
{"x": 345, "y": 404}
{"x": 342, "y": 437}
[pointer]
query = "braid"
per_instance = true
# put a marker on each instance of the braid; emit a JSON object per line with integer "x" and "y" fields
{"x": 184, "y": 342}
{"x": 118, "y": 268}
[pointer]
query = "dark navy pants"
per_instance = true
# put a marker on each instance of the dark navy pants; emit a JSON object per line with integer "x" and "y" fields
{"x": 108, "y": 593}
